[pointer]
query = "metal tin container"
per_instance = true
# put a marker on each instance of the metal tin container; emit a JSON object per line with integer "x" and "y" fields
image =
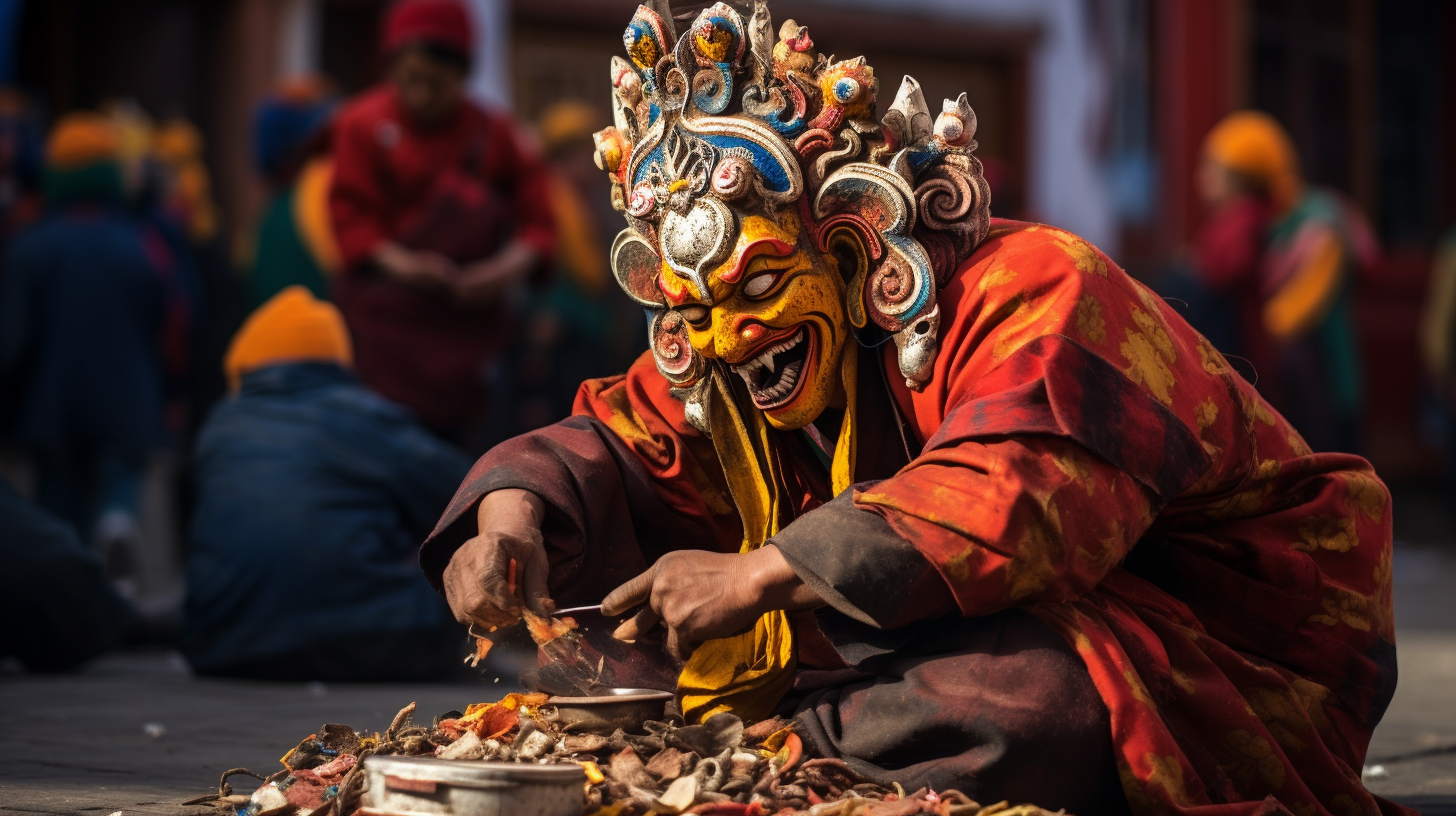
{"x": 623, "y": 708}
{"x": 425, "y": 786}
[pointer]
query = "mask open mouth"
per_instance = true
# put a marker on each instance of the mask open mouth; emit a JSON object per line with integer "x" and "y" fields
{"x": 776, "y": 374}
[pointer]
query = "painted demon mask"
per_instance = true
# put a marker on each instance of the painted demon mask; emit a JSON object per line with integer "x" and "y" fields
{"x": 772, "y": 219}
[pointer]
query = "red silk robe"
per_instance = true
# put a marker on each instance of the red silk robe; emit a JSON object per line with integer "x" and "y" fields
{"x": 1086, "y": 456}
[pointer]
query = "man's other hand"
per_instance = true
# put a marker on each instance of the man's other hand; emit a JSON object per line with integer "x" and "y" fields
{"x": 699, "y": 596}
{"x": 420, "y": 269}
{"x": 486, "y": 282}
{"x": 481, "y": 583}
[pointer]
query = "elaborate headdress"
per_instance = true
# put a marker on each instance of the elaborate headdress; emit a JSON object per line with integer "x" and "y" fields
{"x": 731, "y": 119}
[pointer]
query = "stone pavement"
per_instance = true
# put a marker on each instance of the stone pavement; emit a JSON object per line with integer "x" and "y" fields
{"x": 1413, "y": 753}
{"x": 136, "y": 733}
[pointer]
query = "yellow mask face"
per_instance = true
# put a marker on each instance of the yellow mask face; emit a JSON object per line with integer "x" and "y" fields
{"x": 777, "y": 319}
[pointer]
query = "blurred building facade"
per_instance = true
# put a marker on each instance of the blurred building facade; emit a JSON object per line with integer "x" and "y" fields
{"x": 211, "y": 62}
{"x": 1369, "y": 96}
{"x": 1091, "y": 111}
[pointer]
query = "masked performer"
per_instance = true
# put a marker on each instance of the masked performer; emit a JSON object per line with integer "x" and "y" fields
{"x": 971, "y": 504}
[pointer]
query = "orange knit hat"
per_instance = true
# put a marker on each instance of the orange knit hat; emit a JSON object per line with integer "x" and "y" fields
{"x": 292, "y": 327}
{"x": 1254, "y": 144}
{"x": 79, "y": 139}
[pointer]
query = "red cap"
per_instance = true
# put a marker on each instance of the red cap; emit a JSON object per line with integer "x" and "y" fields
{"x": 443, "y": 23}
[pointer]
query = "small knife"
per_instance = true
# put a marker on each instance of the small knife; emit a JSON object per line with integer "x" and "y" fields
{"x": 574, "y": 609}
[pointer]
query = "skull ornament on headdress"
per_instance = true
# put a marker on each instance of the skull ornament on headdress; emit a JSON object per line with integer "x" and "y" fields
{"x": 731, "y": 120}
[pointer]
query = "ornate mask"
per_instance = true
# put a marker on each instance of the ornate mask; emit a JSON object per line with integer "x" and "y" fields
{"x": 771, "y": 217}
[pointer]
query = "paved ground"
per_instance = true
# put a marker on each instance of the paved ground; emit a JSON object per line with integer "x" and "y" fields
{"x": 1416, "y": 743}
{"x": 137, "y": 733}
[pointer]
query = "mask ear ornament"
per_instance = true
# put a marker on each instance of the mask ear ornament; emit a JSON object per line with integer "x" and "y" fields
{"x": 684, "y": 368}
{"x": 853, "y": 246}
{"x": 899, "y": 288}
{"x": 636, "y": 266}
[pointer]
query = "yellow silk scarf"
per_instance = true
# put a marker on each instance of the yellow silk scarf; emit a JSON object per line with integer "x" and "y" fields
{"x": 748, "y": 674}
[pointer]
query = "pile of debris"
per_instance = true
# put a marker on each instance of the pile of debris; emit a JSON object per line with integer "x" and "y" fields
{"x": 716, "y": 768}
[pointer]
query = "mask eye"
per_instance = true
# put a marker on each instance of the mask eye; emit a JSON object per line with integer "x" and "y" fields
{"x": 696, "y": 316}
{"x": 758, "y": 285}
{"x": 846, "y": 90}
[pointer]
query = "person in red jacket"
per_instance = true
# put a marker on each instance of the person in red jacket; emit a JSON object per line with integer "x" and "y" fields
{"x": 441, "y": 211}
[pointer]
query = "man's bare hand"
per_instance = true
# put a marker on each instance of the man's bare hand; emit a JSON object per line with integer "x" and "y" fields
{"x": 699, "y": 596}
{"x": 485, "y": 282}
{"x": 420, "y": 269}
{"x": 481, "y": 583}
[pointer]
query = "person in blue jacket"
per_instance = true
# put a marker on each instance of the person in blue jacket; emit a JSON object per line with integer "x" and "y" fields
{"x": 91, "y": 319}
{"x": 313, "y": 495}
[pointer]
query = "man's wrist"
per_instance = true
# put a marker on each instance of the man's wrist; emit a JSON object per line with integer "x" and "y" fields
{"x": 511, "y": 505}
{"x": 521, "y": 257}
{"x": 390, "y": 256}
{"x": 778, "y": 584}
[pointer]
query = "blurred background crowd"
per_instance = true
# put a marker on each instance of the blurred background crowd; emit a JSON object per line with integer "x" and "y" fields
{"x": 273, "y": 272}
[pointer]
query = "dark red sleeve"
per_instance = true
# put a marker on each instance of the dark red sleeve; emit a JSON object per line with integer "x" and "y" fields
{"x": 625, "y": 480}
{"x": 1228, "y": 247}
{"x": 357, "y": 197}
{"x": 861, "y": 566}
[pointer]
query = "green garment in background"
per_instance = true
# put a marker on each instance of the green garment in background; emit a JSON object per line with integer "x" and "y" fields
{"x": 1335, "y": 335}
{"x": 97, "y": 182}
{"x": 282, "y": 258}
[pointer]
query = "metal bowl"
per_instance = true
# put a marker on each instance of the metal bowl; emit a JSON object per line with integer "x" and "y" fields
{"x": 425, "y": 786}
{"x": 624, "y": 708}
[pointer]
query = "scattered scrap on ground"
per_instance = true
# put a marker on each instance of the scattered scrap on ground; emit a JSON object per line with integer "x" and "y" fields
{"x": 717, "y": 768}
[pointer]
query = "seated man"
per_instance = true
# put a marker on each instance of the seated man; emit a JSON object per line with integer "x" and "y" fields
{"x": 1029, "y": 535}
{"x": 312, "y": 496}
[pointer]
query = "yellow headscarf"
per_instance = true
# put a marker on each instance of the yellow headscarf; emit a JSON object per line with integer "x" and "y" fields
{"x": 750, "y": 673}
{"x": 1254, "y": 144}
